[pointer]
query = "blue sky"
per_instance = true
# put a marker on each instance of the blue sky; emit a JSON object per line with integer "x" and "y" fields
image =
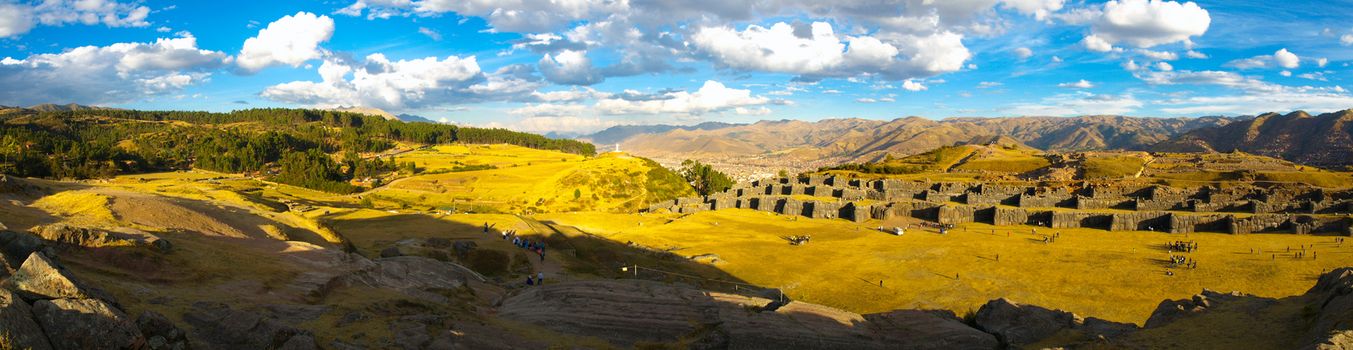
{"x": 583, "y": 65}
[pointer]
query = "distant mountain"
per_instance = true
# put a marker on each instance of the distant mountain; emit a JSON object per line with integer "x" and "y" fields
{"x": 1323, "y": 140}
{"x": 409, "y": 118}
{"x": 839, "y": 140}
{"x": 620, "y": 133}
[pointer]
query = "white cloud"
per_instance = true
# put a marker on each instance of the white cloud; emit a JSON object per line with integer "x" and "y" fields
{"x": 17, "y": 19}
{"x": 1286, "y": 73}
{"x": 1082, "y": 84}
{"x": 1250, "y": 63}
{"x": 567, "y": 95}
{"x": 115, "y": 73}
{"x": 1159, "y": 55}
{"x": 1131, "y": 65}
{"x": 290, "y": 40}
{"x": 711, "y": 97}
{"x": 1346, "y": 40}
{"x": 912, "y": 85}
{"x": 1321, "y": 62}
{"x": 1282, "y": 58}
{"x": 1277, "y": 98}
{"x": 569, "y": 67}
{"x": 548, "y": 110}
{"x": 1146, "y": 23}
{"x": 817, "y": 51}
{"x": 1195, "y": 55}
{"x": 752, "y": 111}
{"x": 1024, "y": 53}
{"x": 1096, "y": 44}
{"x": 1079, "y": 103}
{"x": 430, "y": 33}
{"x": 1286, "y": 59}
{"x": 1164, "y": 67}
{"x": 569, "y": 124}
{"x": 988, "y": 84}
{"x": 1040, "y": 9}
{"x": 404, "y": 84}
{"x": 510, "y": 16}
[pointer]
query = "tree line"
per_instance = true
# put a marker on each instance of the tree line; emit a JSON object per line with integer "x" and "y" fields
{"x": 294, "y": 146}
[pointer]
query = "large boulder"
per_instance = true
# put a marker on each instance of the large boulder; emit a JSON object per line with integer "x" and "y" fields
{"x": 17, "y": 324}
{"x": 928, "y": 329}
{"x": 15, "y": 247}
{"x": 1015, "y": 324}
{"x": 86, "y": 324}
{"x": 41, "y": 277}
{"x": 1333, "y": 326}
{"x": 1169, "y": 311}
{"x": 416, "y": 276}
{"x": 160, "y": 332}
{"x": 96, "y": 238}
{"x": 217, "y": 326}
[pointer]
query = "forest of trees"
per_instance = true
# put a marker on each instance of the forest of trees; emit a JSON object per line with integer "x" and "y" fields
{"x": 105, "y": 143}
{"x": 704, "y": 178}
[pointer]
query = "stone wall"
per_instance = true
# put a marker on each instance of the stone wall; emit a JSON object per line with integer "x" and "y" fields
{"x": 1140, "y": 221}
{"x": 1180, "y": 223}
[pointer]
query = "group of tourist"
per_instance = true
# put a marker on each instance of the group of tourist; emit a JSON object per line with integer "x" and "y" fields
{"x": 1183, "y": 261}
{"x": 799, "y": 240}
{"x": 537, "y": 247}
{"x": 1182, "y": 246}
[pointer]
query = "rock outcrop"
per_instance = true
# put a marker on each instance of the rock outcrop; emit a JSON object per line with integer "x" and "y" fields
{"x": 218, "y": 326}
{"x": 1333, "y": 326}
{"x": 17, "y": 324}
{"x": 160, "y": 333}
{"x": 41, "y": 277}
{"x": 86, "y": 324}
{"x": 631, "y": 312}
{"x": 1015, "y": 324}
{"x": 96, "y": 238}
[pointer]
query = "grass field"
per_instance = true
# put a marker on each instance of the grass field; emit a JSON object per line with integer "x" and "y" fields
{"x": 528, "y": 180}
{"x": 1118, "y": 276}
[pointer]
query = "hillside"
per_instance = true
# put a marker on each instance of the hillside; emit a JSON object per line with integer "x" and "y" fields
{"x": 836, "y": 140}
{"x": 511, "y": 179}
{"x": 1325, "y": 140}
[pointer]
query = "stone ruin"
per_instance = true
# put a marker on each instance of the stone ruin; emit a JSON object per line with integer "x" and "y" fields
{"x": 1236, "y": 209}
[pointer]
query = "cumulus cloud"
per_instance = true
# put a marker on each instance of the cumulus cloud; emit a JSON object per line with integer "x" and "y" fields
{"x": 816, "y": 51}
{"x": 115, "y": 73}
{"x": 1081, "y": 84}
{"x": 1282, "y": 58}
{"x": 403, "y": 84}
{"x": 1145, "y": 24}
{"x": 1286, "y": 59}
{"x": 1195, "y": 54}
{"x": 713, "y": 96}
{"x": 1159, "y": 55}
{"x": 291, "y": 40}
{"x": 1096, "y": 44}
{"x": 912, "y": 85}
{"x": 1164, "y": 67}
{"x": 569, "y": 67}
{"x": 1040, "y": 9}
{"x": 1024, "y": 53}
{"x": 509, "y": 16}
{"x": 17, "y": 19}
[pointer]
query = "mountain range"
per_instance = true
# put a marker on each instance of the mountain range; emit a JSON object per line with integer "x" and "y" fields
{"x": 856, "y": 140}
{"x": 1324, "y": 140}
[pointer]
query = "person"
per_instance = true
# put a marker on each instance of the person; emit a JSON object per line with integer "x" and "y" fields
{"x": 540, "y": 278}
{"x": 529, "y": 282}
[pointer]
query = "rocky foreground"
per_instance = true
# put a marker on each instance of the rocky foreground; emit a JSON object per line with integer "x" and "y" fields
{"x": 44, "y": 306}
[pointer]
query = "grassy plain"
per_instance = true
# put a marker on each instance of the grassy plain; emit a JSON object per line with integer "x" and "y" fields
{"x": 1118, "y": 276}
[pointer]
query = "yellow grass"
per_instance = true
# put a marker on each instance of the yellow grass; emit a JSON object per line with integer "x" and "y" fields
{"x": 1113, "y": 275}
{"x": 84, "y": 205}
{"x": 525, "y": 180}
